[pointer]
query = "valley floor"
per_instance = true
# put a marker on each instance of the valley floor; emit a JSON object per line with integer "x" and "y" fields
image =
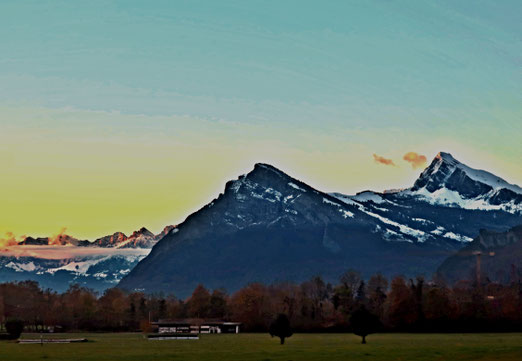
{"x": 300, "y": 347}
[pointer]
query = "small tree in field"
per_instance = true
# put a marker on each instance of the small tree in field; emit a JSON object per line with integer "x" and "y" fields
{"x": 281, "y": 328}
{"x": 364, "y": 323}
{"x": 14, "y": 328}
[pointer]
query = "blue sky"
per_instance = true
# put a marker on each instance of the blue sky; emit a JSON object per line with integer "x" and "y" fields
{"x": 315, "y": 87}
{"x": 168, "y": 55}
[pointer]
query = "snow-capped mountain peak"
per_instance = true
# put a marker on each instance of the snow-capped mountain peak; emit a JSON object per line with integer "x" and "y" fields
{"x": 446, "y": 157}
{"x": 446, "y": 181}
{"x": 143, "y": 238}
{"x": 110, "y": 240}
{"x": 445, "y": 186}
{"x": 266, "y": 182}
{"x": 446, "y": 169}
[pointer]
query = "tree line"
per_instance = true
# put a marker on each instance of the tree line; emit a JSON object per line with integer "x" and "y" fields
{"x": 313, "y": 306}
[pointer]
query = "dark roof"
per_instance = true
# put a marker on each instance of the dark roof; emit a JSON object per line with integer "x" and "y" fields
{"x": 195, "y": 322}
{"x": 171, "y": 323}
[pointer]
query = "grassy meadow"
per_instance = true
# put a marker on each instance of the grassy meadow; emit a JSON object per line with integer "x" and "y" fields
{"x": 244, "y": 347}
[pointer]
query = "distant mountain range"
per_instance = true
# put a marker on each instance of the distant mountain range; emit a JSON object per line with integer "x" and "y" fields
{"x": 268, "y": 226}
{"x": 143, "y": 238}
{"x": 58, "y": 261}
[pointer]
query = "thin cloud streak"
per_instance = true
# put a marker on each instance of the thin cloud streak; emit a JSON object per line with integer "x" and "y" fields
{"x": 10, "y": 239}
{"x": 382, "y": 160}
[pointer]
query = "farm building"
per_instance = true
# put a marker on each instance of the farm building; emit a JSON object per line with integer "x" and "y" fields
{"x": 199, "y": 326}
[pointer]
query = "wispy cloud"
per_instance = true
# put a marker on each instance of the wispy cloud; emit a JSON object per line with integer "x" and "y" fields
{"x": 416, "y": 160}
{"x": 10, "y": 239}
{"x": 382, "y": 160}
{"x": 57, "y": 238}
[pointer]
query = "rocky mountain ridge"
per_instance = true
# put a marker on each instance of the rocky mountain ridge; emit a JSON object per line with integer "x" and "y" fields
{"x": 267, "y": 226}
{"x": 142, "y": 238}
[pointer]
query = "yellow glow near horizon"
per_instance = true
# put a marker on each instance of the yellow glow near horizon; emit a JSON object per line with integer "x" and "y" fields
{"x": 97, "y": 173}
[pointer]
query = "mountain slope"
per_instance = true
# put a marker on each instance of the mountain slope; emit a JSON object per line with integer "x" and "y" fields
{"x": 501, "y": 258}
{"x": 268, "y": 226}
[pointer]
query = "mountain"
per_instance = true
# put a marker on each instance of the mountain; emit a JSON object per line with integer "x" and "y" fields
{"x": 30, "y": 241}
{"x": 112, "y": 240}
{"x": 96, "y": 271}
{"x": 500, "y": 258}
{"x": 59, "y": 240}
{"x": 449, "y": 182}
{"x": 448, "y": 199}
{"x": 268, "y": 226}
{"x": 139, "y": 239}
{"x": 143, "y": 238}
{"x": 58, "y": 261}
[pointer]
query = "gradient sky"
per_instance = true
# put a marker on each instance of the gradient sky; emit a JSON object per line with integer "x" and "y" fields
{"x": 121, "y": 114}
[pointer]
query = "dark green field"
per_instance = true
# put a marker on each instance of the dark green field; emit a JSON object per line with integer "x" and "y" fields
{"x": 129, "y": 347}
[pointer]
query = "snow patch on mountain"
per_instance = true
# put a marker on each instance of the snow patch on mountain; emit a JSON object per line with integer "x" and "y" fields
{"x": 422, "y": 220}
{"x": 421, "y": 236}
{"x": 100, "y": 275}
{"x": 392, "y": 236}
{"x": 346, "y": 213}
{"x": 438, "y": 231}
{"x": 345, "y": 199}
{"x": 446, "y": 197}
{"x": 274, "y": 193}
{"x": 367, "y": 196}
{"x": 457, "y": 237}
{"x": 77, "y": 267}
{"x": 22, "y": 267}
{"x": 287, "y": 198}
{"x": 295, "y": 186}
{"x": 362, "y": 198}
{"x": 441, "y": 231}
{"x": 327, "y": 201}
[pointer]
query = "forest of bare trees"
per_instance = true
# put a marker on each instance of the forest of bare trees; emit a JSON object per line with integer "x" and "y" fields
{"x": 400, "y": 304}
